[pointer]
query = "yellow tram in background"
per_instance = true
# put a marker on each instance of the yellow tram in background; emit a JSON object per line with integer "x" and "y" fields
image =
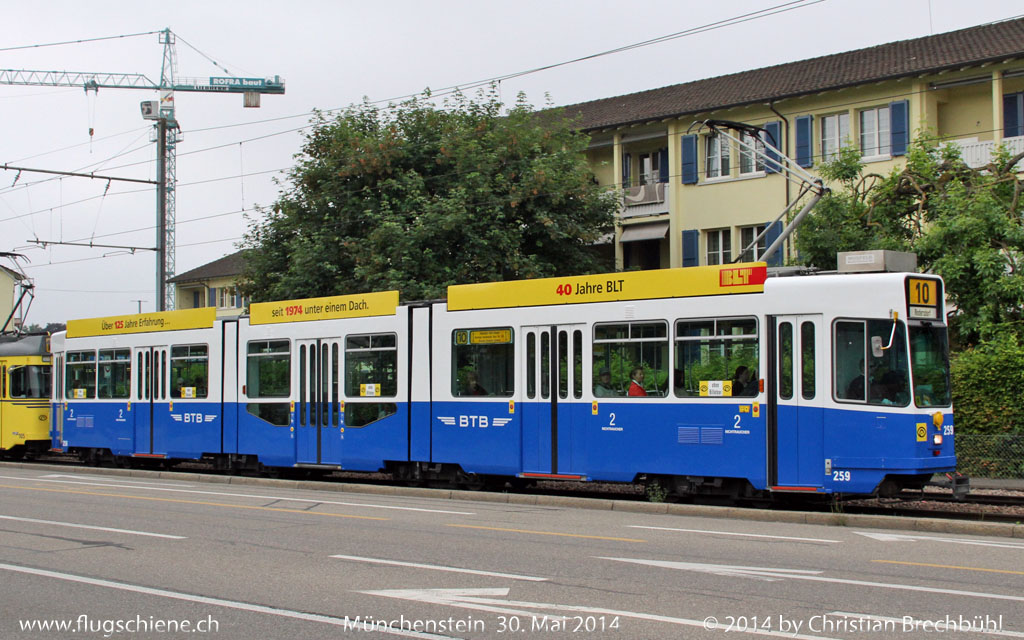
{"x": 24, "y": 395}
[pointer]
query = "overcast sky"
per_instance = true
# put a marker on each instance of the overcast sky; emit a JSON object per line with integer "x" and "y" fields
{"x": 330, "y": 54}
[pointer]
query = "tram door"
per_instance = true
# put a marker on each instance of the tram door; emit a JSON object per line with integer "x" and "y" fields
{"x": 799, "y": 388}
{"x": 318, "y": 424}
{"x": 149, "y": 373}
{"x": 553, "y": 362}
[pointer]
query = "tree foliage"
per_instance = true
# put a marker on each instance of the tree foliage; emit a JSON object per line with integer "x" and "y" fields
{"x": 987, "y": 380}
{"x": 415, "y": 197}
{"x": 964, "y": 224}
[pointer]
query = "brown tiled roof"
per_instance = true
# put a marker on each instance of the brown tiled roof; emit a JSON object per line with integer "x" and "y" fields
{"x": 226, "y": 267}
{"x": 986, "y": 43}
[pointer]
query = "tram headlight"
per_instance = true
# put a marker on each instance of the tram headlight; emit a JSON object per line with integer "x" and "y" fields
{"x": 937, "y": 439}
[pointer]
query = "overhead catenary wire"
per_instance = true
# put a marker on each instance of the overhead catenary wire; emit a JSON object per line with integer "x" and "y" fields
{"x": 456, "y": 87}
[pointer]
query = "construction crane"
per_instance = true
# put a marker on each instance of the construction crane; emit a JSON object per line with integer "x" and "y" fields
{"x": 166, "y": 129}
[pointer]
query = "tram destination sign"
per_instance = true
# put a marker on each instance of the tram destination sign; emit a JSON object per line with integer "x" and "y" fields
{"x": 632, "y": 285}
{"x": 383, "y": 303}
{"x": 143, "y": 323}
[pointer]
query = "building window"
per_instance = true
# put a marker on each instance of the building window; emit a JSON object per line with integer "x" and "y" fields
{"x": 719, "y": 246}
{"x": 225, "y": 297}
{"x": 1013, "y": 115}
{"x": 874, "y": 132}
{"x": 747, "y": 235}
{"x": 650, "y": 168}
{"x": 835, "y": 134}
{"x": 717, "y": 156}
{"x": 750, "y": 160}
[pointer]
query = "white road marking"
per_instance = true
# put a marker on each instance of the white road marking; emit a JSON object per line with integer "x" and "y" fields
{"x": 482, "y": 600}
{"x": 112, "y": 479}
{"x": 799, "y": 574}
{"x": 245, "y": 495}
{"x": 345, "y": 623}
{"x": 918, "y": 622}
{"x": 435, "y": 567}
{"x": 899, "y": 537}
{"x": 89, "y": 526}
{"x": 732, "y": 533}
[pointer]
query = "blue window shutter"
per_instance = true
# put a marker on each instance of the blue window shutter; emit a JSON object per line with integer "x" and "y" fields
{"x": 773, "y": 131}
{"x": 195, "y": 299}
{"x": 238, "y": 300}
{"x": 1013, "y": 119}
{"x": 663, "y": 165}
{"x": 774, "y": 231}
{"x": 690, "y": 159}
{"x": 804, "y": 141}
{"x": 626, "y": 168}
{"x": 899, "y": 127}
{"x": 691, "y": 248}
{"x": 213, "y": 297}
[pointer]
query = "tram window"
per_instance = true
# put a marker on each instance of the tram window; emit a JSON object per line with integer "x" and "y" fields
{"x": 624, "y": 347}
{"x": 531, "y": 365}
{"x": 81, "y": 375}
{"x": 190, "y": 371}
{"x": 563, "y": 364}
{"x": 483, "y": 362}
{"x": 371, "y": 366}
{"x": 268, "y": 369}
{"x": 360, "y": 414}
{"x": 302, "y": 385}
{"x": 29, "y": 381}
{"x": 141, "y": 377}
{"x": 545, "y": 365}
{"x": 577, "y": 364}
{"x": 716, "y": 350}
{"x": 161, "y": 375}
{"x": 859, "y": 375}
{"x": 929, "y": 358}
{"x": 276, "y": 413}
{"x": 786, "y": 360}
{"x": 807, "y": 364}
{"x": 335, "y": 383}
{"x": 115, "y": 373}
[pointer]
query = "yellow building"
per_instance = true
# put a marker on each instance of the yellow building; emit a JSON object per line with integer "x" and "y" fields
{"x": 9, "y": 281}
{"x": 691, "y": 197}
{"x": 212, "y": 285}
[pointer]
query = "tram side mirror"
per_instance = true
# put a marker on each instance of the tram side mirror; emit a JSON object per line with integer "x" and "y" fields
{"x": 876, "y": 346}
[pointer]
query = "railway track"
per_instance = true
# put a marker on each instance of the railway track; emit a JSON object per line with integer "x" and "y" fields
{"x": 978, "y": 506}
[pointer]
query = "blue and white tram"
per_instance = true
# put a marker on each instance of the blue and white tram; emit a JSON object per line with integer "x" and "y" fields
{"x": 711, "y": 380}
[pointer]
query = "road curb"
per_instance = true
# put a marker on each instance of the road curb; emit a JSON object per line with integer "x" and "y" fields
{"x": 931, "y": 525}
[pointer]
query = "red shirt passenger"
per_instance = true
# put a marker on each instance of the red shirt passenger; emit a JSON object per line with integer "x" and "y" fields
{"x": 636, "y": 384}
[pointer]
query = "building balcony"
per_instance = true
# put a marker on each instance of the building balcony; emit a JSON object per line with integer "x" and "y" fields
{"x": 978, "y": 154}
{"x": 650, "y": 199}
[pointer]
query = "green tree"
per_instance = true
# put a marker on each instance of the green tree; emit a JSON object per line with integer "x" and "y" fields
{"x": 964, "y": 224}
{"x": 416, "y": 198}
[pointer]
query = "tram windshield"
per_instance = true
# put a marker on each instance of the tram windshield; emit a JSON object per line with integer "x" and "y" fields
{"x": 30, "y": 381}
{"x": 929, "y": 359}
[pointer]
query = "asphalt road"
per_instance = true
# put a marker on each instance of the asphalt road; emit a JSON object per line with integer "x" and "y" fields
{"x": 167, "y": 557}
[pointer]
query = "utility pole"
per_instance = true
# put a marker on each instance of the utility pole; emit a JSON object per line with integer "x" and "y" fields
{"x": 167, "y": 131}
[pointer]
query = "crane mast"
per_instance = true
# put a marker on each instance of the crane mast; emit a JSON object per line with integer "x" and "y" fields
{"x": 166, "y": 131}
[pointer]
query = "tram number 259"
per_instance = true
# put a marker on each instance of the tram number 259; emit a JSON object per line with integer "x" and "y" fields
{"x": 840, "y": 476}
